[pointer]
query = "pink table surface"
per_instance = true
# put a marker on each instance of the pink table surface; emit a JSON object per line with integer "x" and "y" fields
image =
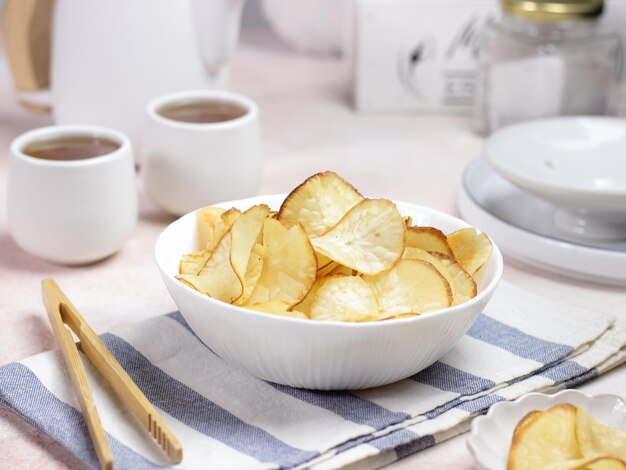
{"x": 308, "y": 126}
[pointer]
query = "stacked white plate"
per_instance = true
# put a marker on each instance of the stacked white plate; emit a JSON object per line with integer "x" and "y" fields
{"x": 562, "y": 205}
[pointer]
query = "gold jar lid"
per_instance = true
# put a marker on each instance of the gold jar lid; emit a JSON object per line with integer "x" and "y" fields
{"x": 553, "y": 10}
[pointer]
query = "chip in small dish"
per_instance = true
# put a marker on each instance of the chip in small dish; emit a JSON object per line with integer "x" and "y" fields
{"x": 565, "y": 431}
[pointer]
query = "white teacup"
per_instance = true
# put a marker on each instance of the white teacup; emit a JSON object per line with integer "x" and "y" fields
{"x": 187, "y": 165}
{"x": 71, "y": 211}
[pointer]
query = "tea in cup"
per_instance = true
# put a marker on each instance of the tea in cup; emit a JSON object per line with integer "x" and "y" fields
{"x": 71, "y": 147}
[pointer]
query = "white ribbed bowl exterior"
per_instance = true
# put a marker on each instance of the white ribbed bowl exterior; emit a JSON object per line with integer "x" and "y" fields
{"x": 315, "y": 354}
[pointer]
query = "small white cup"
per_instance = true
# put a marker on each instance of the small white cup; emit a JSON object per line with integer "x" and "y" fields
{"x": 191, "y": 165}
{"x": 72, "y": 211}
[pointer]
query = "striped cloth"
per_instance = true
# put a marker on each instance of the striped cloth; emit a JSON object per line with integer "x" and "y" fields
{"x": 226, "y": 418}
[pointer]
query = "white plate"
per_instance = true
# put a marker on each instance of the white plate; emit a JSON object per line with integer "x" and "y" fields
{"x": 576, "y": 163}
{"x": 490, "y": 437}
{"x": 524, "y": 228}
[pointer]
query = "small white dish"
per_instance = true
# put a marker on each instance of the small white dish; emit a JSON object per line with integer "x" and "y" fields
{"x": 490, "y": 435}
{"x": 324, "y": 355}
{"x": 524, "y": 228}
{"x": 575, "y": 163}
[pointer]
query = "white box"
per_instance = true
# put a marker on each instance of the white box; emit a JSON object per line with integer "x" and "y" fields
{"x": 420, "y": 54}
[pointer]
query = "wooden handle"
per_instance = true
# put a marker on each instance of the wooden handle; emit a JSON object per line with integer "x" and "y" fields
{"x": 26, "y": 26}
{"x": 116, "y": 376}
{"x": 53, "y": 303}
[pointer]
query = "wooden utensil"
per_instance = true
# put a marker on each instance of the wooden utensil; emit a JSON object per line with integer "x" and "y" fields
{"x": 65, "y": 317}
{"x": 26, "y": 30}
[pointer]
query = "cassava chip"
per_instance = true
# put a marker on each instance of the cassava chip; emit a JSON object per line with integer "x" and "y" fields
{"x": 411, "y": 286}
{"x": 277, "y": 308}
{"x": 402, "y": 315}
{"x": 335, "y": 268}
{"x": 194, "y": 262}
{"x": 326, "y": 270}
{"x": 369, "y": 238}
{"x": 206, "y": 219}
{"x": 273, "y": 306}
{"x": 596, "y": 439}
{"x": 471, "y": 249}
{"x": 245, "y": 233}
{"x": 305, "y": 304}
{"x": 322, "y": 261}
{"x": 418, "y": 253}
{"x": 222, "y": 226}
{"x": 217, "y": 278}
{"x": 289, "y": 264}
{"x": 592, "y": 463}
{"x": 463, "y": 285}
{"x": 212, "y": 224}
{"x": 345, "y": 298}
{"x": 428, "y": 239}
{"x": 253, "y": 273}
{"x": 319, "y": 203}
{"x": 341, "y": 270}
{"x": 544, "y": 439}
{"x": 527, "y": 419}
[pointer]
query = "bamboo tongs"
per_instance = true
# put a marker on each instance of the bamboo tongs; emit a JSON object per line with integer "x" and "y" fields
{"x": 65, "y": 317}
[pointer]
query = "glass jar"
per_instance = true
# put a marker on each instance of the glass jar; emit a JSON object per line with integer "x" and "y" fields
{"x": 546, "y": 58}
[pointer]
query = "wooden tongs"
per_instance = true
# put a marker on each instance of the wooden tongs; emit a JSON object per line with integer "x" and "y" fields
{"x": 64, "y": 317}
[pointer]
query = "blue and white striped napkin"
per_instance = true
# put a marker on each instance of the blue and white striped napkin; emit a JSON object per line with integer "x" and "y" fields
{"x": 226, "y": 418}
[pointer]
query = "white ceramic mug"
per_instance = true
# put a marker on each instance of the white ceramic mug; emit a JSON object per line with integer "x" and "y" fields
{"x": 191, "y": 165}
{"x": 72, "y": 211}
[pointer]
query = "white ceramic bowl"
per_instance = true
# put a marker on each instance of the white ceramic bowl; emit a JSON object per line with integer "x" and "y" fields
{"x": 317, "y": 354}
{"x": 490, "y": 438}
{"x": 576, "y": 163}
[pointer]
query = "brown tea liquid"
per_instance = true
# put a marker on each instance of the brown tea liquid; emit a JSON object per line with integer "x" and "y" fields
{"x": 71, "y": 148}
{"x": 203, "y": 112}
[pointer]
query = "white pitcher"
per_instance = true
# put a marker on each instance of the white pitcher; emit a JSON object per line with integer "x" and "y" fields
{"x": 109, "y": 58}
